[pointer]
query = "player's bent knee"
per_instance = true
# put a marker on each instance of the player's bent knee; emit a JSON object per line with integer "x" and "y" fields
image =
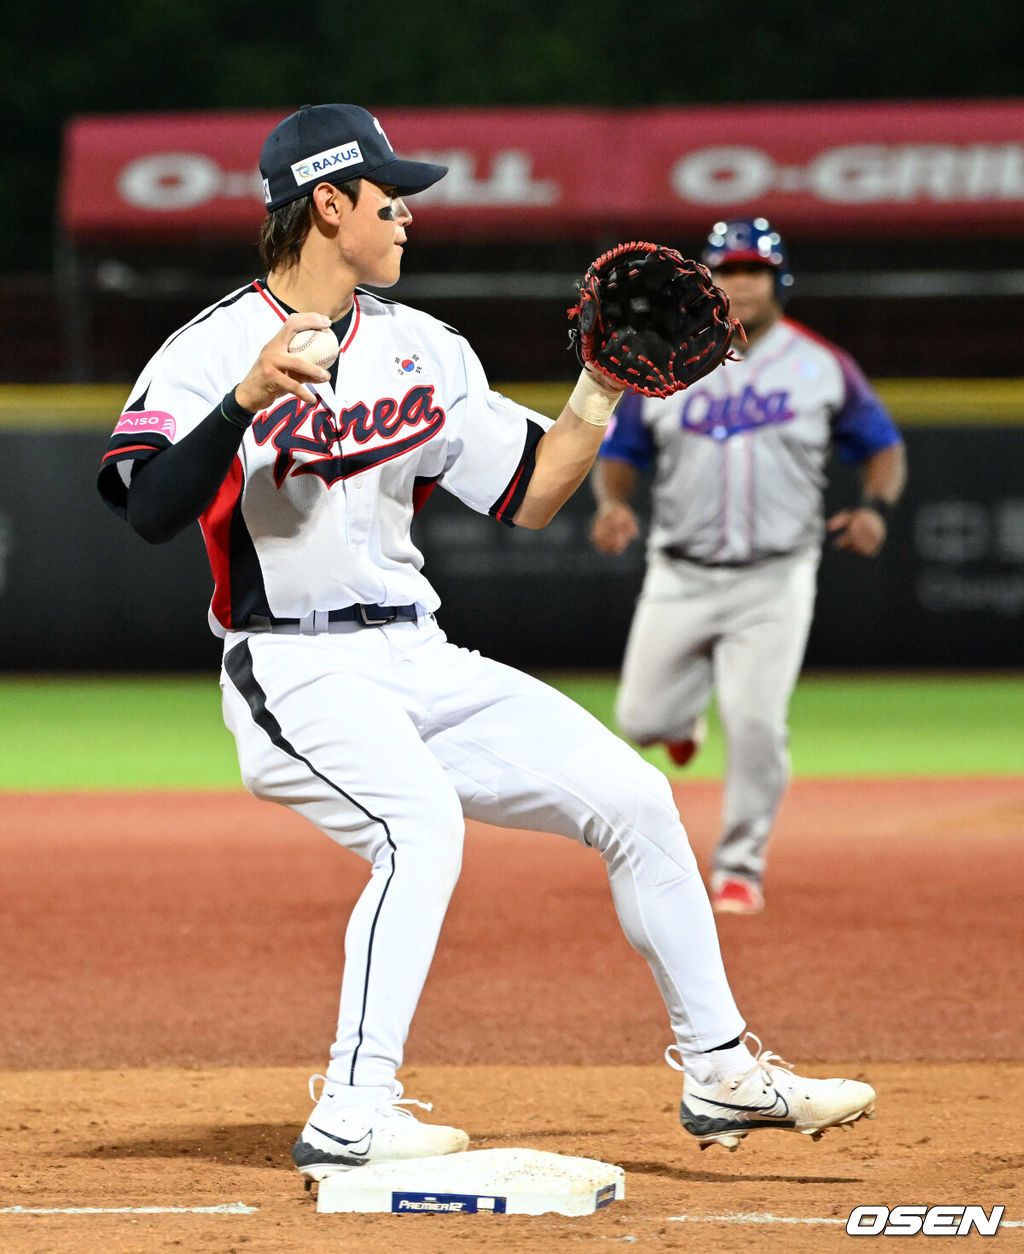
{"x": 634, "y": 719}
{"x": 631, "y": 795}
{"x": 632, "y": 726}
{"x": 434, "y": 865}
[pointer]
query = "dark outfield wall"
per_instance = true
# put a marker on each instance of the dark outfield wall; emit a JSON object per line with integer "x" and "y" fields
{"x": 78, "y": 590}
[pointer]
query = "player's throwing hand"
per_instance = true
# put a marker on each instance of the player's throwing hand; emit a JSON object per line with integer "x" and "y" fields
{"x": 277, "y": 372}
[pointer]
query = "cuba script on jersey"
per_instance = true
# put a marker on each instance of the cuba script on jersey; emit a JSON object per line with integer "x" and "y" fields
{"x": 742, "y": 454}
{"x": 723, "y": 416}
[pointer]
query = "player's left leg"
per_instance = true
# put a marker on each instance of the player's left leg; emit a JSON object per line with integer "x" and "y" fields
{"x": 522, "y": 755}
{"x": 756, "y": 668}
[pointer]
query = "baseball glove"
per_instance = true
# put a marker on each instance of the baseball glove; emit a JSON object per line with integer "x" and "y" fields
{"x": 649, "y": 318}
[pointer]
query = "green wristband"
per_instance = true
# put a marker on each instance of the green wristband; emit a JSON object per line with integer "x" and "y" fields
{"x": 236, "y": 414}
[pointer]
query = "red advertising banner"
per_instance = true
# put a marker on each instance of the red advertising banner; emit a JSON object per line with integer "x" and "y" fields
{"x": 938, "y": 168}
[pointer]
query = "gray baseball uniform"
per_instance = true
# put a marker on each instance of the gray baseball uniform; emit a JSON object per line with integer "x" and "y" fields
{"x": 739, "y": 473}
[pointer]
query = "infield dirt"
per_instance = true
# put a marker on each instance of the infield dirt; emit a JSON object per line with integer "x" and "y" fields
{"x": 171, "y": 963}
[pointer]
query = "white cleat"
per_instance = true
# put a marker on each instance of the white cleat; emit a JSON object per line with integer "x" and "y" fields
{"x": 339, "y": 1136}
{"x": 769, "y": 1095}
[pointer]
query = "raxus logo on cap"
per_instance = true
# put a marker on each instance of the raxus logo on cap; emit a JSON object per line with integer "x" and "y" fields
{"x": 327, "y": 163}
{"x": 333, "y": 143}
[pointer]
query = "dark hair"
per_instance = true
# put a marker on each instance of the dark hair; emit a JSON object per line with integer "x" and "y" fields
{"x": 284, "y": 231}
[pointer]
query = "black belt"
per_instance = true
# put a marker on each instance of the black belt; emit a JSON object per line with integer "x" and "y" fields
{"x": 678, "y": 554}
{"x": 365, "y": 615}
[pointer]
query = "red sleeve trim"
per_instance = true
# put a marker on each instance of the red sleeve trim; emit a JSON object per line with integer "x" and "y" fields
{"x": 130, "y": 448}
{"x": 215, "y": 522}
{"x": 507, "y": 505}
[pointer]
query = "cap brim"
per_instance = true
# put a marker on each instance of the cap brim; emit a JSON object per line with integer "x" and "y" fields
{"x": 407, "y": 177}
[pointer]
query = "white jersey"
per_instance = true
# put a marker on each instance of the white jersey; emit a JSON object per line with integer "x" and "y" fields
{"x": 315, "y": 512}
{"x": 739, "y": 457}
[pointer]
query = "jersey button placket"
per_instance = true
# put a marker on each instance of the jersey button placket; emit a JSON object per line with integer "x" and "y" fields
{"x": 362, "y": 510}
{"x": 340, "y": 501}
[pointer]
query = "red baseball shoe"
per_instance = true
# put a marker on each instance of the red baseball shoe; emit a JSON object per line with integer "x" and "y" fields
{"x": 732, "y": 895}
{"x": 683, "y": 751}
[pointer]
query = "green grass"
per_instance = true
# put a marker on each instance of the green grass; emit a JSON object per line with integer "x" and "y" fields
{"x": 100, "y": 732}
{"x": 874, "y": 725}
{"x": 112, "y": 732}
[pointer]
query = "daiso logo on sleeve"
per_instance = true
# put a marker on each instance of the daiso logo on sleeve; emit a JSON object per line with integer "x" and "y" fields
{"x": 146, "y": 422}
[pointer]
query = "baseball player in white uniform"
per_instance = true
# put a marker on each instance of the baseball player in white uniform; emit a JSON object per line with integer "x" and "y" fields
{"x": 347, "y": 702}
{"x": 738, "y": 475}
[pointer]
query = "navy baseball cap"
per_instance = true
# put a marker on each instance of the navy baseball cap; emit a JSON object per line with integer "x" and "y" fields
{"x": 332, "y": 143}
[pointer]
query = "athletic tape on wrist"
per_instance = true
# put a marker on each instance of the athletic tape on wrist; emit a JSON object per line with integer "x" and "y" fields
{"x": 591, "y": 402}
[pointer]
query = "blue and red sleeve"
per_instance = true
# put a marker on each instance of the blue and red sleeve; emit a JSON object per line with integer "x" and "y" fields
{"x": 628, "y": 439}
{"x": 863, "y": 426}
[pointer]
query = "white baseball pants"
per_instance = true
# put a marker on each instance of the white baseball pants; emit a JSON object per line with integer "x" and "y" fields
{"x": 742, "y": 632}
{"x": 385, "y": 738}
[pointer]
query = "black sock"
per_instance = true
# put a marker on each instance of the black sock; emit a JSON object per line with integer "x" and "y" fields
{"x": 728, "y": 1045}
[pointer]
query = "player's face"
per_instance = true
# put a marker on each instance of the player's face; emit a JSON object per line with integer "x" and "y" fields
{"x": 751, "y": 291}
{"x": 375, "y": 234}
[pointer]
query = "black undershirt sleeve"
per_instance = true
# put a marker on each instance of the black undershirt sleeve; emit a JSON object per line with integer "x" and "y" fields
{"x": 172, "y": 489}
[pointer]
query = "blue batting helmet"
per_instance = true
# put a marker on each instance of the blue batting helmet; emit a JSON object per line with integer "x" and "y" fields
{"x": 749, "y": 239}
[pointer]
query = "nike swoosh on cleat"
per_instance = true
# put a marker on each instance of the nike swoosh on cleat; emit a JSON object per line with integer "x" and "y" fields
{"x": 352, "y": 1146}
{"x": 772, "y": 1110}
{"x": 744, "y": 1121}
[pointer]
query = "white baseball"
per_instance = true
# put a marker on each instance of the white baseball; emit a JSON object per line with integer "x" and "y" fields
{"x": 319, "y": 347}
